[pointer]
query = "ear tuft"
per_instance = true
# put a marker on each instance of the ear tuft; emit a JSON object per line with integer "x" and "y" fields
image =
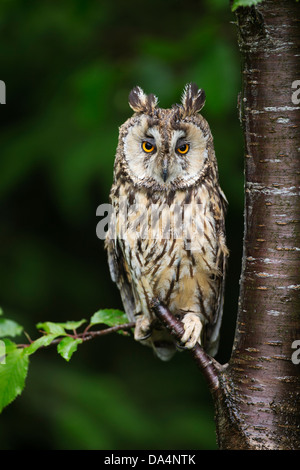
{"x": 193, "y": 99}
{"x": 140, "y": 102}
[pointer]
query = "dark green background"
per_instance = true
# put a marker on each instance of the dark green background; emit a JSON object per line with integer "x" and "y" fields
{"x": 68, "y": 68}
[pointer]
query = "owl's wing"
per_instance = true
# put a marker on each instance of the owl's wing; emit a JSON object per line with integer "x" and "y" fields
{"x": 214, "y": 334}
{"x": 120, "y": 274}
{"x": 221, "y": 262}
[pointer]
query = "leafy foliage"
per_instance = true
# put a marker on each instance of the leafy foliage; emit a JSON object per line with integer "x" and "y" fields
{"x": 244, "y": 3}
{"x": 13, "y": 369}
{"x": 13, "y": 373}
{"x": 9, "y": 328}
{"x": 109, "y": 317}
{"x": 67, "y": 346}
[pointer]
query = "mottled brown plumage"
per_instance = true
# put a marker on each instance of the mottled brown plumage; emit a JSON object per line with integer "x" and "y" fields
{"x": 167, "y": 239}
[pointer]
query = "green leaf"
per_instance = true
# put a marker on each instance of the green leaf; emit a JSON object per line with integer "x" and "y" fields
{"x": 38, "y": 343}
{"x": 52, "y": 328}
{"x": 244, "y": 3}
{"x": 72, "y": 325}
{"x": 68, "y": 346}
{"x": 1, "y": 311}
{"x": 109, "y": 317}
{"x": 9, "y": 328}
{"x": 12, "y": 374}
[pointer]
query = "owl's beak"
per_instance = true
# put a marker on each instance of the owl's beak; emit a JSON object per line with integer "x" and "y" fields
{"x": 165, "y": 171}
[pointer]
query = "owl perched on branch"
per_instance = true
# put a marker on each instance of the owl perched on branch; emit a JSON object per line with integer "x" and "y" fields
{"x": 166, "y": 239}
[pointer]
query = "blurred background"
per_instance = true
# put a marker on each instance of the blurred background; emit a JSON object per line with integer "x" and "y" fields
{"x": 68, "y": 68}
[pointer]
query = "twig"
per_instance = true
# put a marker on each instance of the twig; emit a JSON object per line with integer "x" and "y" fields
{"x": 92, "y": 334}
{"x": 87, "y": 336}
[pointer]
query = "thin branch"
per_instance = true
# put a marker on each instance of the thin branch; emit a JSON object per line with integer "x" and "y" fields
{"x": 87, "y": 336}
{"x": 113, "y": 329}
{"x": 209, "y": 366}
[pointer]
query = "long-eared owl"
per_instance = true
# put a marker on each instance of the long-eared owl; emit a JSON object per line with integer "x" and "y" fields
{"x": 166, "y": 238}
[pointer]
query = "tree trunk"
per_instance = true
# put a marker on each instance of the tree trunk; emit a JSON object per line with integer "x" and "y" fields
{"x": 257, "y": 395}
{"x": 264, "y": 383}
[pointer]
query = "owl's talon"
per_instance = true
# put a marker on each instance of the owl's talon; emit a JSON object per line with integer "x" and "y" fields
{"x": 192, "y": 330}
{"x": 180, "y": 346}
{"x": 143, "y": 329}
{"x": 139, "y": 337}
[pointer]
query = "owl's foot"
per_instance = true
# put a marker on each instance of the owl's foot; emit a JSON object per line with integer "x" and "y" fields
{"x": 192, "y": 330}
{"x": 143, "y": 328}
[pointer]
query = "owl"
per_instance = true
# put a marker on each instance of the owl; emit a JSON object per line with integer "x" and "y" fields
{"x": 166, "y": 237}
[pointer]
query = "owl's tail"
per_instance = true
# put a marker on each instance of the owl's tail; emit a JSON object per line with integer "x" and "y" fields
{"x": 164, "y": 352}
{"x": 163, "y": 345}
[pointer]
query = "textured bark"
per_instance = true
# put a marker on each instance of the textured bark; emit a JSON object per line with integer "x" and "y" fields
{"x": 257, "y": 394}
{"x": 262, "y": 384}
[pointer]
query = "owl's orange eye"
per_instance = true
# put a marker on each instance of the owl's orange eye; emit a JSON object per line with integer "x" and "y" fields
{"x": 183, "y": 149}
{"x": 147, "y": 146}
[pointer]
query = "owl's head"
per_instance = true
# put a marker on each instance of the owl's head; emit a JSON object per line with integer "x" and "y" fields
{"x": 165, "y": 148}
